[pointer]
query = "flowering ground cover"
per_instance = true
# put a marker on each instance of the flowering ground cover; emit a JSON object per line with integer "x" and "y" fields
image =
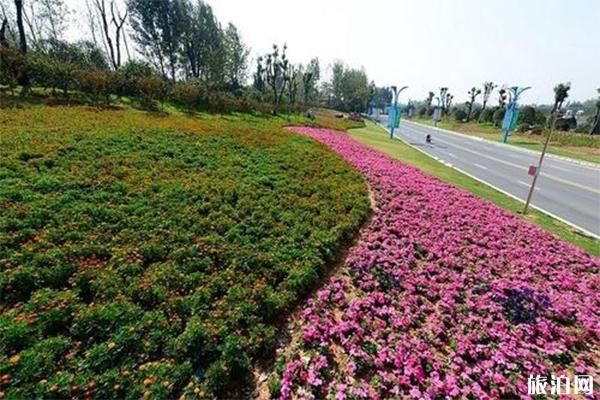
{"x": 151, "y": 256}
{"x": 446, "y": 295}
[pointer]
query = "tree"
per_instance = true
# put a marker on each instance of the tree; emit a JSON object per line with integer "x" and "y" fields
{"x": 293, "y": 81}
{"x": 3, "y": 29}
{"x": 21, "y": 27}
{"x": 112, "y": 28}
{"x": 311, "y": 76}
{"x": 337, "y": 79}
{"x": 23, "y": 78}
{"x": 356, "y": 90}
{"x": 445, "y": 99}
{"x": 204, "y": 43}
{"x": 428, "y": 101}
{"x": 46, "y": 19}
{"x": 382, "y": 97}
{"x": 259, "y": 75}
{"x": 237, "y": 57}
{"x": 351, "y": 90}
{"x": 498, "y": 116}
{"x": 158, "y": 27}
{"x": 596, "y": 124}
{"x": 502, "y": 97}
{"x": 561, "y": 92}
{"x": 7, "y": 34}
{"x": 473, "y": 93}
{"x": 488, "y": 88}
{"x": 276, "y": 73}
{"x": 442, "y": 97}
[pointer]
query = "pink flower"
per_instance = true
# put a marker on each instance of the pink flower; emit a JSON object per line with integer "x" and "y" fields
{"x": 447, "y": 295}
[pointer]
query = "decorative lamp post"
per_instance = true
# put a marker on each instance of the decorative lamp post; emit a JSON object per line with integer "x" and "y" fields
{"x": 394, "y": 116}
{"x": 512, "y": 112}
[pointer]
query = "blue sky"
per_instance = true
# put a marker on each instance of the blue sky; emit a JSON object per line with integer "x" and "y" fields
{"x": 426, "y": 44}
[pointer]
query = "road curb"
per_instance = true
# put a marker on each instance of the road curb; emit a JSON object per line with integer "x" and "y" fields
{"x": 540, "y": 209}
{"x": 534, "y": 152}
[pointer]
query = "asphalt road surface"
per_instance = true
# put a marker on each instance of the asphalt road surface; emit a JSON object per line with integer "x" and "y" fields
{"x": 565, "y": 189}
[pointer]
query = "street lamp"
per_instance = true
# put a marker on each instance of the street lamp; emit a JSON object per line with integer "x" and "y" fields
{"x": 512, "y": 111}
{"x": 394, "y": 117}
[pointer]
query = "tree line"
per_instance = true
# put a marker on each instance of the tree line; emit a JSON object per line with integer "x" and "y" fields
{"x": 157, "y": 50}
{"x": 531, "y": 117}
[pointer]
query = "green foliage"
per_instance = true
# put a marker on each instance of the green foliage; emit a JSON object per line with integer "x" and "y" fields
{"x": 100, "y": 84}
{"x": 150, "y": 256}
{"x": 530, "y": 115}
{"x": 487, "y": 115}
{"x": 460, "y": 114}
{"x": 498, "y": 116}
{"x": 12, "y": 66}
{"x": 351, "y": 91}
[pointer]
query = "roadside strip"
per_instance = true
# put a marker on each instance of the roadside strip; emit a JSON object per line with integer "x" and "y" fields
{"x": 580, "y": 229}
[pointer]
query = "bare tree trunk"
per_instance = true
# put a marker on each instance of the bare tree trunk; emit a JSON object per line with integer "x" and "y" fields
{"x": 3, "y": 41}
{"x": 23, "y": 77}
{"x": 22, "y": 37}
{"x": 482, "y": 110}
{"x": 101, "y": 7}
{"x": 118, "y": 21}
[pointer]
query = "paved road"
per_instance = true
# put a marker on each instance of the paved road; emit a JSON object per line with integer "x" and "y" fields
{"x": 566, "y": 189}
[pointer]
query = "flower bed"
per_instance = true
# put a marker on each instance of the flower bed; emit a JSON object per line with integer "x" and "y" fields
{"x": 447, "y": 296}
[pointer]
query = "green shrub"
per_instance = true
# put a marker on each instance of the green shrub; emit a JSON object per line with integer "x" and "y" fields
{"x": 100, "y": 84}
{"x": 460, "y": 115}
{"x": 498, "y": 116}
{"x": 150, "y": 89}
{"x": 51, "y": 74}
{"x": 159, "y": 248}
{"x": 487, "y": 115}
{"x": 12, "y": 66}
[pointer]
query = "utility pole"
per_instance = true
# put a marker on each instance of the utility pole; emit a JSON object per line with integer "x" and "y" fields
{"x": 539, "y": 167}
{"x": 394, "y": 117}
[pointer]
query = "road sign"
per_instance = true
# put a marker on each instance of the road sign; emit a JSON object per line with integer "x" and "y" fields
{"x": 532, "y": 170}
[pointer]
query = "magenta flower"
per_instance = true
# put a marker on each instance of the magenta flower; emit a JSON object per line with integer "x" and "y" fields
{"x": 446, "y": 295}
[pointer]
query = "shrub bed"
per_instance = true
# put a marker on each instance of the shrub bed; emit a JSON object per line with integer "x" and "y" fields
{"x": 151, "y": 256}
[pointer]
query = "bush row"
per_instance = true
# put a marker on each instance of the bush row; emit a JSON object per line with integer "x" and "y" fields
{"x": 135, "y": 79}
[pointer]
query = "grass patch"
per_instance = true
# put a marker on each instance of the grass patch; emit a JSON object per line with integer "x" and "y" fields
{"x": 376, "y": 137}
{"x": 151, "y": 255}
{"x": 573, "y": 145}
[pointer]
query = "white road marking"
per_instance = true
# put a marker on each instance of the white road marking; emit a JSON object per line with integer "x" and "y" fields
{"x": 528, "y": 185}
{"x": 557, "y": 167}
{"x": 480, "y": 166}
{"x": 451, "y": 155}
